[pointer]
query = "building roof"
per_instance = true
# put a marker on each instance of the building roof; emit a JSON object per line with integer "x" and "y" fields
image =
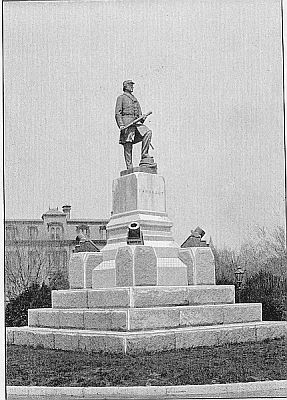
{"x": 53, "y": 211}
{"x": 23, "y": 221}
{"x": 87, "y": 221}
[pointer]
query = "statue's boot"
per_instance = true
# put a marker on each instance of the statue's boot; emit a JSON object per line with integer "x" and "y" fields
{"x": 145, "y": 145}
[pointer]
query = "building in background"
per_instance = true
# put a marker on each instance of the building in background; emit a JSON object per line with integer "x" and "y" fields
{"x": 37, "y": 249}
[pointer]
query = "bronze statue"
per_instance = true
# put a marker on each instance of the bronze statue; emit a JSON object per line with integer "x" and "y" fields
{"x": 130, "y": 120}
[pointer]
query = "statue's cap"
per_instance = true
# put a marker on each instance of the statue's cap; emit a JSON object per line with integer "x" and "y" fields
{"x": 128, "y": 81}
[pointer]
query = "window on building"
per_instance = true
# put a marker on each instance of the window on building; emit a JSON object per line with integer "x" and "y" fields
{"x": 10, "y": 258}
{"x": 57, "y": 261}
{"x": 103, "y": 232}
{"x": 50, "y": 259}
{"x": 65, "y": 258}
{"x": 56, "y": 232}
{"x": 32, "y": 232}
{"x": 11, "y": 233}
{"x": 84, "y": 229}
{"x": 33, "y": 259}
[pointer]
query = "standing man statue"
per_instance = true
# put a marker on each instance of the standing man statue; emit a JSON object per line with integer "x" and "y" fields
{"x": 127, "y": 111}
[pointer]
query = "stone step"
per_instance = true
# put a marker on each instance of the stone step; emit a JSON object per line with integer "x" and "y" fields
{"x": 143, "y": 296}
{"x": 132, "y": 319}
{"x": 147, "y": 341}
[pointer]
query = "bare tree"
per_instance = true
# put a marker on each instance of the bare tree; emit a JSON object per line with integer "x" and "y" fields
{"x": 28, "y": 262}
{"x": 265, "y": 251}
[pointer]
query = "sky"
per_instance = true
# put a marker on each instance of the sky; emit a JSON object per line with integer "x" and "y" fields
{"x": 211, "y": 73}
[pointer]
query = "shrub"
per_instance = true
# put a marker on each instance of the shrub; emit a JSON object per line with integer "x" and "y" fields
{"x": 59, "y": 281}
{"x": 224, "y": 266}
{"x": 264, "y": 259}
{"x": 270, "y": 290}
{"x": 36, "y": 296}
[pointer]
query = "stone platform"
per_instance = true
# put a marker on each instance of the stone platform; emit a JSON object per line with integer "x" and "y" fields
{"x": 133, "y": 319}
{"x": 145, "y": 341}
{"x": 150, "y": 295}
{"x": 149, "y": 308}
{"x": 145, "y": 318}
{"x": 143, "y": 296}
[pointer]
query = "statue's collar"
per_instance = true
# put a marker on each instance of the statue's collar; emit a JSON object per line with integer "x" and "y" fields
{"x": 130, "y": 95}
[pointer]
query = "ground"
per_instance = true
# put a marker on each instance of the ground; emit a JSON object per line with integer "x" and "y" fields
{"x": 244, "y": 362}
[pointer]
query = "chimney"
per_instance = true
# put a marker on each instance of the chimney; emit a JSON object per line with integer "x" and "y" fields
{"x": 67, "y": 211}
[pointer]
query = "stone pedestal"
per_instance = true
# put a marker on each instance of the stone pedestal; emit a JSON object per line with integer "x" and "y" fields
{"x": 141, "y": 197}
{"x": 150, "y": 296}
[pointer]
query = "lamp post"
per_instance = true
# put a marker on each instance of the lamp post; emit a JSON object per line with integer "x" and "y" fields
{"x": 239, "y": 273}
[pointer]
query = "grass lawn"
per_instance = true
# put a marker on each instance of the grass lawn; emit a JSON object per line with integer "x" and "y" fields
{"x": 243, "y": 362}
